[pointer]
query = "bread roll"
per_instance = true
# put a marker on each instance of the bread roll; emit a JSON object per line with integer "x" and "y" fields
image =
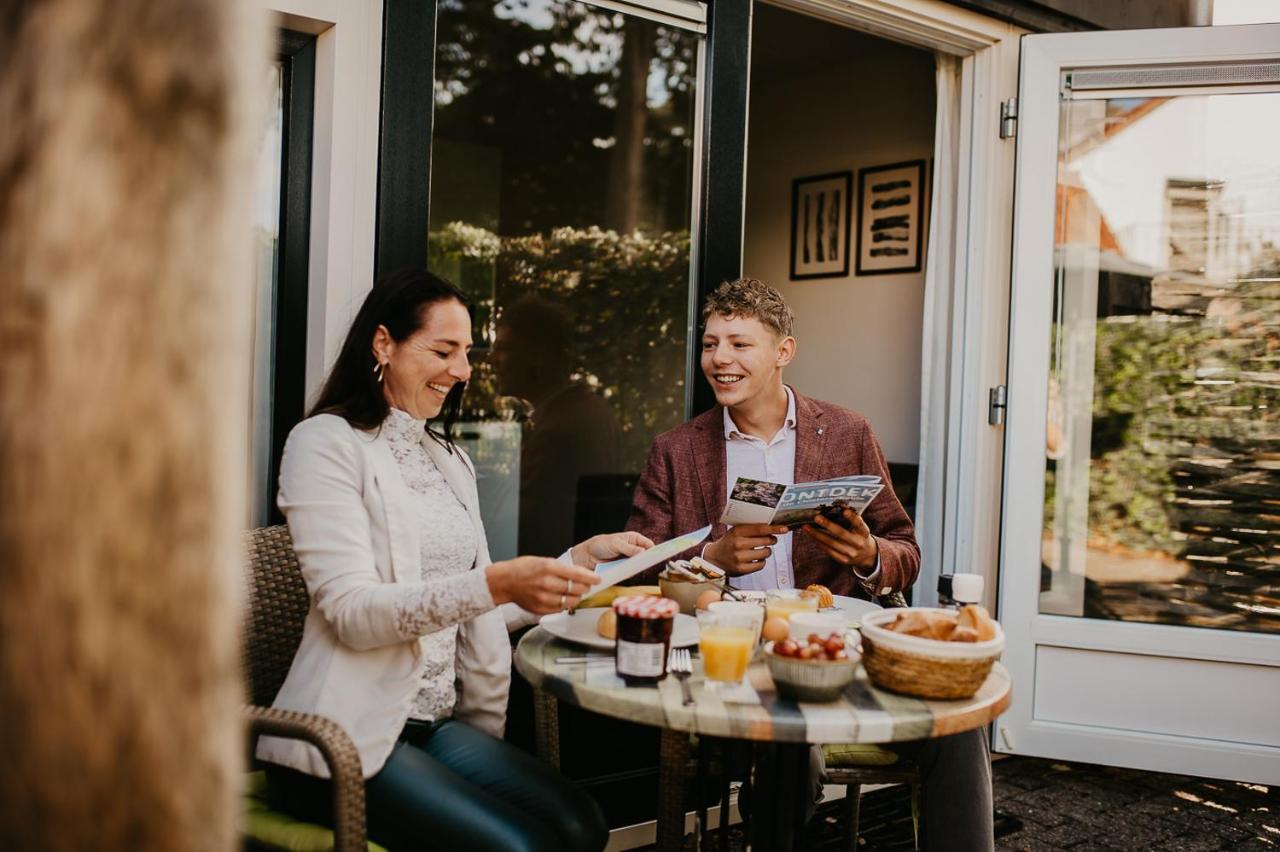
{"x": 975, "y": 616}
{"x": 941, "y": 626}
{"x": 911, "y": 623}
{"x": 607, "y": 626}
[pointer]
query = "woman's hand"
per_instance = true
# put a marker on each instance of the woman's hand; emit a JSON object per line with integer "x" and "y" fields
{"x": 602, "y": 548}
{"x": 855, "y": 546}
{"x": 744, "y": 548}
{"x": 538, "y": 584}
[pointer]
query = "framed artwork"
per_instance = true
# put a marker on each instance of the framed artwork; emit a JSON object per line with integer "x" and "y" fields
{"x": 821, "y": 207}
{"x": 890, "y": 218}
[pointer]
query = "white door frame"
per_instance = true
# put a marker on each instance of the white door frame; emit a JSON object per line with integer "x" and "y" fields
{"x": 1185, "y": 653}
{"x": 957, "y": 506}
{"x": 344, "y": 165}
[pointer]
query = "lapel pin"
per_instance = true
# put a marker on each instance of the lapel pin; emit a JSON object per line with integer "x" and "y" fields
{"x": 819, "y": 430}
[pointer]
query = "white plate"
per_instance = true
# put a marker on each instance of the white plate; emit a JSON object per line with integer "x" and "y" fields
{"x": 580, "y": 627}
{"x": 854, "y": 608}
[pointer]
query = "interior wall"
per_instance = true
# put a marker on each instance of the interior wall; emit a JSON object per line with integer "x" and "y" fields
{"x": 826, "y": 99}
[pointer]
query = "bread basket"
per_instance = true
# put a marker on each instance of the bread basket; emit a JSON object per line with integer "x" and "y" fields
{"x": 925, "y": 668}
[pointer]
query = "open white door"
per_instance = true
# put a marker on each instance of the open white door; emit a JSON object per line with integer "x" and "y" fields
{"x": 1140, "y": 543}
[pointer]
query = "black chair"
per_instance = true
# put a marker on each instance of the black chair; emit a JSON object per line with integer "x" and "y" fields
{"x": 904, "y": 478}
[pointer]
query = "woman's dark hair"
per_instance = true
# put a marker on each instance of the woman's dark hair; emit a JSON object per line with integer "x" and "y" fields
{"x": 400, "y": 302}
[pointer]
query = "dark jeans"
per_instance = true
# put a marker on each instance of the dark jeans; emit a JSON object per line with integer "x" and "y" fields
{"x": 449, "y": 786}
{"x": 956, "y": 802}
{"x": 955, "y": 775}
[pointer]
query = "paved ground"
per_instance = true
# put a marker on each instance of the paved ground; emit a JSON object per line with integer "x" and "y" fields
{"x": 1047, "y": 805}
{"x": 1077, "y": 806}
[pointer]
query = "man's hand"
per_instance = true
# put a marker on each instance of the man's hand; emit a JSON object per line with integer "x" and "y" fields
{"x": 744, "y": 548}
{"x": 607, "y": 546}
{"x": 855, "y": 546}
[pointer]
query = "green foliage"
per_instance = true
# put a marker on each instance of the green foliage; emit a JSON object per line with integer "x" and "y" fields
{"x": 628, "y": 294}
{"x": 1168, "y": 388}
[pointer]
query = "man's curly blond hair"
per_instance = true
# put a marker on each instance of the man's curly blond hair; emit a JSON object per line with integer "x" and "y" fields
{"x": 751, "y": 298}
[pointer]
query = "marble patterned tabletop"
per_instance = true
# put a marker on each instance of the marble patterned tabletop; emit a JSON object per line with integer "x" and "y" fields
{"x": 863, "y": 714}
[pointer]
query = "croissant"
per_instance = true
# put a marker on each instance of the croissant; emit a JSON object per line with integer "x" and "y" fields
{"x": 976, "y": 618}
{"x": 825, "y": 598}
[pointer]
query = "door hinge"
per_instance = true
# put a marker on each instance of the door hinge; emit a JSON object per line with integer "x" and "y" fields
{"x": 1006, "y": 739}
{"x": 997, "y": 404}
{"x": 1009, "y": 118}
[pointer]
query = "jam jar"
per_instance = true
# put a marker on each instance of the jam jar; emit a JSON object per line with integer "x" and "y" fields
{"x": 644, "y": 638}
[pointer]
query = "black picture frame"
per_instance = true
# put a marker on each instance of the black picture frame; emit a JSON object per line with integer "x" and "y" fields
{"x": 821, "y": 220}
{"x": 883, "y": 205}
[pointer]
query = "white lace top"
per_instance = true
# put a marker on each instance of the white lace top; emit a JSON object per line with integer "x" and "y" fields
{"x": 451, "y": 592}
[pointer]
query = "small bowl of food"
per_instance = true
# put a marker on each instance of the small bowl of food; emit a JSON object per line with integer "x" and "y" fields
{"x": 930, "y": 653}
{"x": 817, "y": 668}
{"x": 687, "y": 582}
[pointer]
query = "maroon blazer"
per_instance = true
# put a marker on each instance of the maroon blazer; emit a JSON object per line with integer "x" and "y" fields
{"x": 683, "y": 489}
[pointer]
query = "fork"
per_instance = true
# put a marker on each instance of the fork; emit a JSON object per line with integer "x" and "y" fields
{"x": 680, "y": 664}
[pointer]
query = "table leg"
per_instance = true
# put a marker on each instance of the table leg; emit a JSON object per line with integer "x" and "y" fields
{"x": 673, "y": 759}
{"x": 780, "y": 796}
{"x": 724, "y": 796}
{"x": 546, "y": 727}
{"x": 699, "y": 788}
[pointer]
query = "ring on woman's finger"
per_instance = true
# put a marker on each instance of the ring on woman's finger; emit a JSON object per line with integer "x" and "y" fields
{"x": 563, "y": 604}
{"x": 568, "y": 587}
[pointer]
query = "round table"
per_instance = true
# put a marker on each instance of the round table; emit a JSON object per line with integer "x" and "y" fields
{"x": 863, "y": 714}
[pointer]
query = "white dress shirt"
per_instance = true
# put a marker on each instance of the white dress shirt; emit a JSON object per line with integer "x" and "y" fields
{"x": 770, "y": 461}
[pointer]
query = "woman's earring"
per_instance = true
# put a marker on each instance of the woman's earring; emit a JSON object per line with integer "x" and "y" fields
{"x": 377, "y": 371}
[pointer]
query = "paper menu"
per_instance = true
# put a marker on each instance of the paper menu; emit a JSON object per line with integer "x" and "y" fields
{"x": 612, "y": 573}
{"x": 753, "y": 501}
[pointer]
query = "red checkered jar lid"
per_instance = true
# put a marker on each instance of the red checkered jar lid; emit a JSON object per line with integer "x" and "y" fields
{"x": 646, "y": 606}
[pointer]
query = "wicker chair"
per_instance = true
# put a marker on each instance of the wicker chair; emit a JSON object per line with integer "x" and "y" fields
{"x": 278, "y": 603}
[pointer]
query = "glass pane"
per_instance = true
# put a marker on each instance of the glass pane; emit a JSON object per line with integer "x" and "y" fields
{"x": 266, "y": 232}
{"x": 560, "y": 202}
{"x": 1162, "y": 499}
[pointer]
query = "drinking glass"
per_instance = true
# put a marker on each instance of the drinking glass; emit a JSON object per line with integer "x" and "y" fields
{"x": 783, "y": 603}
{"x": 754, "y": 611}
{"x": 726, "y": 639}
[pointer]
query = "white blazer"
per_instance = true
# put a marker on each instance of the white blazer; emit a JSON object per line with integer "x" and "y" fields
{"x": 353, "y": 528}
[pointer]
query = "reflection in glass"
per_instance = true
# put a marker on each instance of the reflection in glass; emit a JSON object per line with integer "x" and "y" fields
{"x": 560, "y": 202}
{"x": 1163, "y": 434}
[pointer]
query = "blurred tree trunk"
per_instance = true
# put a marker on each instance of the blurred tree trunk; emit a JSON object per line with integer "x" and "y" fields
{"x": 626, "y": 162}
{"x": 125, "y": 165}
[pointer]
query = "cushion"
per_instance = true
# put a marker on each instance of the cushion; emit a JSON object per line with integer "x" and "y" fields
{"x": 265, "y": 828}
{"x": 858, "y": 754}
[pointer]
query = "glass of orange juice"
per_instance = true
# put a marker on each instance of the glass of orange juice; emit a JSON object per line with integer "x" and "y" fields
{"x": 783, "y": 603}
{"x": 726, "y": 640}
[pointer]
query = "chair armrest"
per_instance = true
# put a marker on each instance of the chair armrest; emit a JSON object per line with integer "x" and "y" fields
{"x": 339, "y": 754}
{"x": 891, "y": 600}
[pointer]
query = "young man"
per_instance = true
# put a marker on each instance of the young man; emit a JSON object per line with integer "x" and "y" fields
{"x": 763, "y": 429}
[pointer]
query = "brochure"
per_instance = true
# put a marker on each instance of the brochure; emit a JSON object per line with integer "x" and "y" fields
{"x": 755, "y": 502}
{"x": 612, "y": 573}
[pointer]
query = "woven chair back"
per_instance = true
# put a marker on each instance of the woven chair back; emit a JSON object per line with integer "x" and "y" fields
{"x": 277, "y": 609}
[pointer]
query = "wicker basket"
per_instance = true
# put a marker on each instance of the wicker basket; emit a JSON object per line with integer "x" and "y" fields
{"x": 925, "y": 668}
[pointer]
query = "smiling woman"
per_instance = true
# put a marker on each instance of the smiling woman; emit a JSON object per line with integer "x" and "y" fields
{"x": 404, "y": 645}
